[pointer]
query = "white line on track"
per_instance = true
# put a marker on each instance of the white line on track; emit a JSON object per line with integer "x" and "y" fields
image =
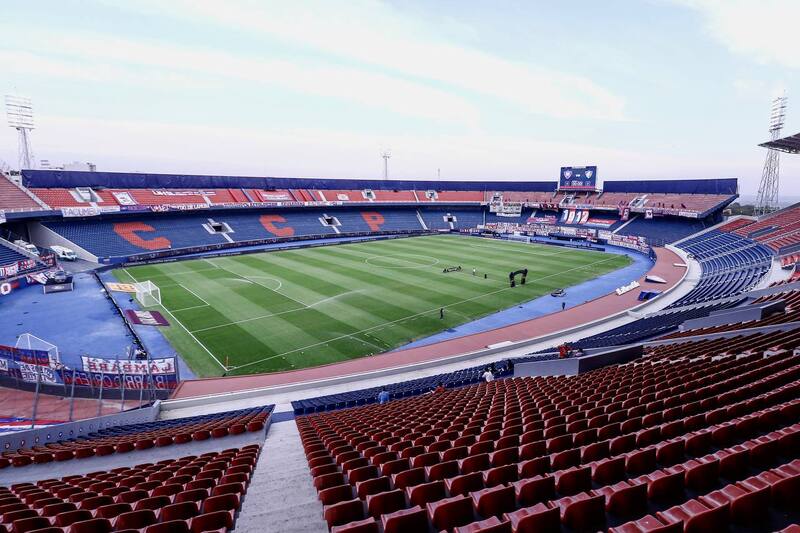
{"x": 416, "y": 315}
{"x": 203, "y": 346}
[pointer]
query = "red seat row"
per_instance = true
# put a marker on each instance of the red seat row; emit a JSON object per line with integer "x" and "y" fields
{"x": 189, "y": 494}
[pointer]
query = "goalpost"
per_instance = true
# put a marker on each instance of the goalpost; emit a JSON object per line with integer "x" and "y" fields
{"x": 148, "y": 294}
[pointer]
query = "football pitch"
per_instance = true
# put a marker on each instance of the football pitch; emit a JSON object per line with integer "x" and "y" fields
{"x": 291, "y": 309}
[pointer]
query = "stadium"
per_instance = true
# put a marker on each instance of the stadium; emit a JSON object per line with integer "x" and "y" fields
{"x": 236, "y": 351}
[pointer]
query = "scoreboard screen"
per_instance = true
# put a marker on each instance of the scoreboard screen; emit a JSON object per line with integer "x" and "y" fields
{"x": 578, "y": 178}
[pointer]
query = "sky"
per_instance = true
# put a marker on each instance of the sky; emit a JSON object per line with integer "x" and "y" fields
{"x": 475, "y": 90}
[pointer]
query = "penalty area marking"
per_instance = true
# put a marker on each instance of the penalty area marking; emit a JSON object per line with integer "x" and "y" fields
{"x": 203, "y": 346}
{"x": 400, "y": 257}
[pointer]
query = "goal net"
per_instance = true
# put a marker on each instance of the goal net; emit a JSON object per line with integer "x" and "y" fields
{"x": 148, "y": 294}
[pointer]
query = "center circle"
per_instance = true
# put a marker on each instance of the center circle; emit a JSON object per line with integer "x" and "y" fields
{"x": 401, "y": 261}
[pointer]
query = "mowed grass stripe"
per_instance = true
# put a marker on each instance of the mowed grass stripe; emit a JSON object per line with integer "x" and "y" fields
{"x": 414, "y": 317}
{"x": 355, "y": 308}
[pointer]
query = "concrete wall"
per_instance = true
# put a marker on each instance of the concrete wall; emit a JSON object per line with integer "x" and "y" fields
{"x": 735, "y": 315}
{"x": 70, "y": 430}
{"x": 578, "y": 365}
{"x": 43, "y": 236}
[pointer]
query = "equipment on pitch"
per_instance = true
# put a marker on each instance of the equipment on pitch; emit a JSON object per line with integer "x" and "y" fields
{"x": 147, "y": 293}
{"x": 451, "y": 269}
{"x": 512, "y": 277}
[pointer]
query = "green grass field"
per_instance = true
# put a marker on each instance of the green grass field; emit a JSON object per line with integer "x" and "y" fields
{"x": 291, "y": 309}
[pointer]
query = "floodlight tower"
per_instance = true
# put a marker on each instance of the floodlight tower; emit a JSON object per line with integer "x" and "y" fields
{"x": 767, "y": 200}
{"x": 19, "y": 110}
{"x": 386, "y": 155}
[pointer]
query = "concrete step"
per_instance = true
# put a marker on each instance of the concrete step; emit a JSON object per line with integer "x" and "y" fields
{"x": 281, "y": 497}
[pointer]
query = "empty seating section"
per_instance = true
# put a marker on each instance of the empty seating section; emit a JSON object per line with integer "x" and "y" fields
{"x": 775, "y": 342}
{"x": 57, "y": 198}
{"x": 341, "y": 196}
{"x": 637, "y": 331}
{"x": 123, "y": 439}
{"x": 734, "y": 225}
{"x": 521, "y": 219}
{"x": 193, "y": 494}
{"x": 790, "y": 314}
{"x": 731, "y": 265}
{"x": 453, "y": 196}
{"x": 128, "y": 236}
{"x": 404, "y": 389}
{"x": 9, "y": 256}
{"x": 693, "y": 439}
{"x": 526, "y": 197}
{"x": 436, "y": 218}
{"x": 254, "y": 226}
{"x": 12, "y": 198}
{"x": 779, "y": 231}
{"x": 133, "y": 235}
{"x": 377, "y": 220}
{"x": 662, "y": 229}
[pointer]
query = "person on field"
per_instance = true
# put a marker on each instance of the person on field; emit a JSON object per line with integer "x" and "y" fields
{"x": 383, "y": 397}
{"x": 441, "y": 313}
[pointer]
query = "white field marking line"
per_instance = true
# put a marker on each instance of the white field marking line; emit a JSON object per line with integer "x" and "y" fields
{"x": 203, "y": 346}
{"x": 245, "y": 320}
{"x": 167, "y": 274}
{"x": 411, "y": 263}
{"x": 190, "y": 291}
{"x": 192, "y": 307}
{"x": 517, "y": 250}
{"x": 210, "y": 263}
{"x": 418, "y": 314}
{"x": 280, "y": 283}
{"x": 261, "y": 284}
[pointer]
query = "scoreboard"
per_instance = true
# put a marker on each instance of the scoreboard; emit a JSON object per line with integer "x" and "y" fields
{"x": 578, "y": 178}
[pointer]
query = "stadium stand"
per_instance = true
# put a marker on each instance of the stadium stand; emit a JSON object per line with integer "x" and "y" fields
{"x": 663, "y": 229}
{"x": 144, "y": 436}
{"x": 9, "y": 255}
{"x": 175, "y": 495}
{"x": 13, "y": 198}
{"x": 789, "y": 315}
{"x": 731, "y": 265}
{"x": 668, "y": 440}
{"x": 403, "y": 389}
{"x": 116, "y": 237}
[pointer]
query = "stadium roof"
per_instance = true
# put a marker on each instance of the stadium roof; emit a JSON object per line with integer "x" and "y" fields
{"x": 790, "y": 144}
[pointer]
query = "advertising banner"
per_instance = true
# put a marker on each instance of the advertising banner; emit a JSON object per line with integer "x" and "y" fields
{"x": 124, "y": 198}
{"x": 113, "y": 366}
{"x": 21, "y": 355}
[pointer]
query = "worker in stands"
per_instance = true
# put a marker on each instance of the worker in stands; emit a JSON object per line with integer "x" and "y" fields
{"x": 563, "y": 351}
{"x": 383, "y": 397}
{"x": 488, "y": 375}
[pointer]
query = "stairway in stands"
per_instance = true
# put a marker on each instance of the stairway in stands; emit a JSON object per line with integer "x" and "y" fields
{"x": 281, "y": 495}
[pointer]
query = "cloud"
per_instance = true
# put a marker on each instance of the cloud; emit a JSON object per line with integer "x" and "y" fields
{"x": 138, "y": 145}
{"x": 375, "y": 35}
{"x": 102, "y": 58}
{"x": 763, "y": 30}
